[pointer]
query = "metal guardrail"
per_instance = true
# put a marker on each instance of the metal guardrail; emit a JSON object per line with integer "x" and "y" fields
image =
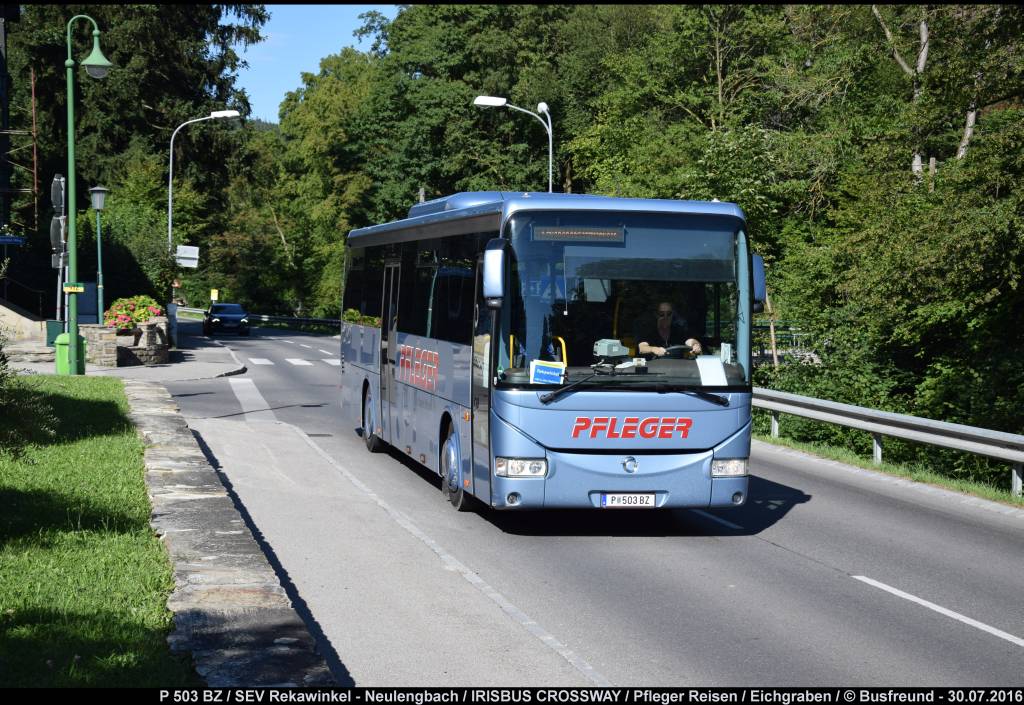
{"x": 5, "y": 281}
{"x": 275, "y": 319}
{"x": 1008, "y": 447}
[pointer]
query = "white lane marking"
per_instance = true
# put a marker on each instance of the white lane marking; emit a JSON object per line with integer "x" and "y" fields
{"x": 250, "y": 399}
{"x": 942, "y": 610}
{"x": 296, "y": 361}
{"x": 721, "y": 521}
{"x": 333, "y": 361}
{"x": 288, "y": 341}
{"x": 326, "y": 352}
{"x": 306, "y": 346}
{"x": 260, "y": 361}
{"x": 453, "y": 564}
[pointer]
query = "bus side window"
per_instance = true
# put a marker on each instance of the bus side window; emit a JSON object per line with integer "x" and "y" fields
{"x": 414, "y": 292}
{"x": 373, "y": 283}
{"x": 355, "y": 262}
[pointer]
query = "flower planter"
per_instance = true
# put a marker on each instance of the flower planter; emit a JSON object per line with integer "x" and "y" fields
{"x": 128, "y": 337}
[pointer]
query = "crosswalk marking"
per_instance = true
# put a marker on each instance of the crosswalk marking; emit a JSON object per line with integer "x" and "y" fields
{"x": 306, "y": 346}
{"x": 326, "y": 352}
{"x": 332, "y": 361}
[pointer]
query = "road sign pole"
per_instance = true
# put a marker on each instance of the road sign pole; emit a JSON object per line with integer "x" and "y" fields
{"x": 60, "y": 287}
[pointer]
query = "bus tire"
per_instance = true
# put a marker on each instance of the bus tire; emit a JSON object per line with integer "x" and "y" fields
{"x": 451, "y": 473}
{"x": 372, "y": 440}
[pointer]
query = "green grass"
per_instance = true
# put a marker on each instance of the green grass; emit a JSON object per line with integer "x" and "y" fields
{"x": 83, "y": 579}
{"x": 911, "y": 472}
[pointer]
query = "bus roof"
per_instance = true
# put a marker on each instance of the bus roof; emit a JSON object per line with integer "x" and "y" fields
{"x": 477, "y": 211}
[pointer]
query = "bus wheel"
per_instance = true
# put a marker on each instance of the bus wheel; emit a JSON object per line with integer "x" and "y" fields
{"x": 372, "y": 440}
{"x": 451, "y": 473}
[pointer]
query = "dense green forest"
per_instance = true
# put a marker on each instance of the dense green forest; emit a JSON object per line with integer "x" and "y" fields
{"x": 878, "y": 152}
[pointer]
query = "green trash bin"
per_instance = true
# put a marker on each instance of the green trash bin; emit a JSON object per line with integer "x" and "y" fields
{"x": 63, "y": 353}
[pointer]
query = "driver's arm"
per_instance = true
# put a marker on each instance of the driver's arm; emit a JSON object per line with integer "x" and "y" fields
{"x": 645, "y": 349}
{"x": 694, "y": 345}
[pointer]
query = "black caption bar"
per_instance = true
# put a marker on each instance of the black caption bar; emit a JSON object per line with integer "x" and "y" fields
{"x": 641, "y": 696}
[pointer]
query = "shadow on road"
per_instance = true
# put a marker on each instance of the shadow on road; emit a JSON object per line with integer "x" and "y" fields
{"x": 768, "y": 503}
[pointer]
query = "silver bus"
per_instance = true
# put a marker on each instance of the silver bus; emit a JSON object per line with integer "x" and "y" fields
{"x": 543, "y": 350}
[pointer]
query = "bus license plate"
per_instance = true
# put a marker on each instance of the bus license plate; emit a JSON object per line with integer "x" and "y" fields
{"x": 626, "y": 501}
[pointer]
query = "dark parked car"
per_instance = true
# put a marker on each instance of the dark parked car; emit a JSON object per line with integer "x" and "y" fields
{"x": 226, "y": 317}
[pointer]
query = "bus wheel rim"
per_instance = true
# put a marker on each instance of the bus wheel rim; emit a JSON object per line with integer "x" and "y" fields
{"x": 451, "y": 470}
{"x": 368, "y": 416}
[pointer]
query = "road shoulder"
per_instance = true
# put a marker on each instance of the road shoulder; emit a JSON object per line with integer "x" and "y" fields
{"x": 230, "y": 610}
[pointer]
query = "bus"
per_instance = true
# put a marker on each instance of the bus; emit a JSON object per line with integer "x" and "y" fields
{"x": 506, "y": 341}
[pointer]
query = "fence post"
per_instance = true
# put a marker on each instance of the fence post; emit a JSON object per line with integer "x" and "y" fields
{"x": 1017, "y": 480}
{"x": 775, "y": 424}
{"x": 876, "y": 442}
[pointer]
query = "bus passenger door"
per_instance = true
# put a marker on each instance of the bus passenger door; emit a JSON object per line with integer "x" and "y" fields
{"x": 388, "y": 351}
{"x": 481, "y": 393}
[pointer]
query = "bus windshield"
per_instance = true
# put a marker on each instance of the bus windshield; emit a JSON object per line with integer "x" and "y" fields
{"x": 607, "y": 288}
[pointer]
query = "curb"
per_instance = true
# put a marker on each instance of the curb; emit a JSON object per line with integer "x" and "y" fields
{"x": 240, "y": 370}
{"x": 230, "y": 611}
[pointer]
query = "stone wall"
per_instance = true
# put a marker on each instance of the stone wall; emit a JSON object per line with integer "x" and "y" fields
{"x": 100, "y": 344}
{"x": 152, "y": 347}
{"x": 19, "y": 324}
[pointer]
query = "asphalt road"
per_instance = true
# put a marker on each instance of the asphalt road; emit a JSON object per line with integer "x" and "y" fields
{"x": 830, "y": 575}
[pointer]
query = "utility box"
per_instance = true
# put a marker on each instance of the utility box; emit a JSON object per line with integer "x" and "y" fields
{"x": 63, "y": 354}
{"x": 53, "y": 329}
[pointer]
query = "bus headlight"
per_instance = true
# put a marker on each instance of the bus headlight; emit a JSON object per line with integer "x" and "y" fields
{"x": 216, "y": 320}
{"x": 520, "y": 467}
{"x": 728, "y": 468}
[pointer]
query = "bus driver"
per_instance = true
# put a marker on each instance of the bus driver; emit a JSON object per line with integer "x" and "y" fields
{"x": 668, "y": 331}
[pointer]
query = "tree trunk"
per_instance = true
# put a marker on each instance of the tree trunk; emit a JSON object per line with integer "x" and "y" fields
{"x": 972, "y": 117}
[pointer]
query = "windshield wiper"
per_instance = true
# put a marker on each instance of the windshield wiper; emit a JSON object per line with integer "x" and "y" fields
{"x": 552, "y": 395}
{"x": 706, "y": 396}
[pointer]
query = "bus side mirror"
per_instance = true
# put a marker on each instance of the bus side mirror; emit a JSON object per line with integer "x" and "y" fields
{"x": 494, "y": 272}
{"x": 760, "y": 289}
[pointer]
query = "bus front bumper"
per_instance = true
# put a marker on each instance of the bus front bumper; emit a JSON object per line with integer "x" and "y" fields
{"x": 584, "y": 480}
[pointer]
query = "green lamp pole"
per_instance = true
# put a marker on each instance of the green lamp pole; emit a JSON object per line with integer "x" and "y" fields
{"x": 98, "y": 194}
{"x": 97, "y": 66}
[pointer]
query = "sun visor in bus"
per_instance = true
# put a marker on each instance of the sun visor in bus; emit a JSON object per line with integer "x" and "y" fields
{"x": 494, "y": 272}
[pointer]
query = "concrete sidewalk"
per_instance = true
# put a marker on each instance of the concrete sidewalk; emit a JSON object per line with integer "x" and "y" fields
{"x": 196, "y": 357}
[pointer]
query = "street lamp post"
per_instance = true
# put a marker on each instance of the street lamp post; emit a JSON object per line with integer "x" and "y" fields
{"x": 99, "y": 199}
{"x": 97, "y": 66}
{"x": 215, "y": 115}
{"x": 487, "y": 101}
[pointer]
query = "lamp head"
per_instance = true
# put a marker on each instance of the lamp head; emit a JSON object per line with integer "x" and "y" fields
{"x": 542, "y": 108}
{"x": 487, "y": 101}
{"x": 224, "y": 114}
{"x": 98, "y": 194}
{"x": 96, "y": 65}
